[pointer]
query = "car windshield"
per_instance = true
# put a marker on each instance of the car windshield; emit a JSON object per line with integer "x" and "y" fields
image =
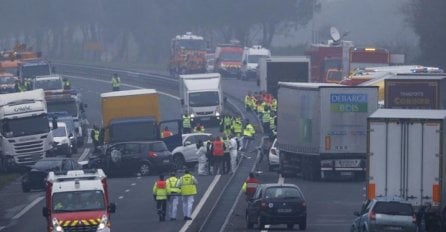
{"x": 282, "y": 192}
{"x": 158, "y": 147}
{"x": 231, "y": 56}
{"x": 193, "y": 44}
{"x": 25, "y": 126}
{"x": 393, "y": 208}
{"x": 53, "y": 84}
{"x": 68, "y": 121}
{"x": 7, "y": 80}
{"x": 61, "y": 131}
{"x": 45, "y": 164}
{"x": 59, "y": 106}
{"x": 204, "y": 99}
{"x": 32, "y": 71}
{"x": 91, "y": 200}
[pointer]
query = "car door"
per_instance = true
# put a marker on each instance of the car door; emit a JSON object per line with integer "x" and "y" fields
{"x": 113, "y": 157}
{"x": 175, "y": 126}
{"x": 254, "y": 204}
{"x": 190, "y": 149}
{"x": 131, "y": 156}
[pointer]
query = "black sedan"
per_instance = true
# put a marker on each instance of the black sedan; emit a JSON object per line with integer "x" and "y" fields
{"x": 35, "y": 177}
{"x": 143, "y": 157}
{"x": 277, "y": 204}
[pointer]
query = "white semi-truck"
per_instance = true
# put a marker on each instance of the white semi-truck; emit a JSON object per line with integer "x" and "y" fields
{"x": 202, "y": 96}
{"x": 406, "y": 159}
{"x": 24, "y": 130}
{"x": 322, "y": 129}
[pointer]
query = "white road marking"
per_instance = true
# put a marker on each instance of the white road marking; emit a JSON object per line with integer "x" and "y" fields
{"x": 28, "y": 207}
{"x": 266, "y": 228}
{"x": 127, "y": 190}
{"x": 128, "y": 85}
{"x": 2, "y": 227}
{"x": 84, "y": 154}
{"x": 121, "y": 197}
{"x": 133, "y": 184}
{"x": 201, "y": 203}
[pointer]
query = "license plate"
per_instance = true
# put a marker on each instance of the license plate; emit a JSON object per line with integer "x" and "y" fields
{"x": 284, "y": 210}
{"x": 166, "y": 161}
{"x": 346, "y": 173}
{"x": 205, "y": 119}
{"x": 396, "y": 228}
{"x": 347, "y": 163}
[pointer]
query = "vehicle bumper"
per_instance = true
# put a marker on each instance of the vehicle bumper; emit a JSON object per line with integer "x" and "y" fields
{"x": 392, "y": 228}
{"x": 250, "y": 74}
{"x": 62, "y": 149}
{"x": 285, "y": 219}
{"x": 229, "y": 72}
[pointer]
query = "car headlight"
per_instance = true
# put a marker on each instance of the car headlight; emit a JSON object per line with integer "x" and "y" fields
{"x": 65, "y": 140}
{"x": 56, "y": 226}
{"x": 217, "y": 114}
{"x": 192, "y": 115}
{"x": 103, "y": 225}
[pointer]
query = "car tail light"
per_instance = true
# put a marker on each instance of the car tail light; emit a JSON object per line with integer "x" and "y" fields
{"x": 372, "y": 216}
{"x": 152, "y": 154}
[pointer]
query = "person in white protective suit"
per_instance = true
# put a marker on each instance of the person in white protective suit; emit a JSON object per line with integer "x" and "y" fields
{"x": 233, "y": 152}
{"x": 202, "y": 159}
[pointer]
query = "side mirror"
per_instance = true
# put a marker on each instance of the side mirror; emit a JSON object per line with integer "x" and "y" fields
{"x": 356, "y": 213}
{"x": 112, "y": 208}
{"x": 70, "y": 135}
{"x": 182, "y": 101}
{"x": 45, "y": 212}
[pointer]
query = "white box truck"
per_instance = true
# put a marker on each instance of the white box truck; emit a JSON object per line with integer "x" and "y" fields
{"x": 277, "y": 69}
{"x": 202, "y": 96}
{"x": 322, "y": 129}
{"x": 24, "y": 130}
{"x": 406, "y": 159}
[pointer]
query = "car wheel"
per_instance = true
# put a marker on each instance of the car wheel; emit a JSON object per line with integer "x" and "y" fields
{"x": 25, "y": 188}
{"x": 145, "y": 169}
{"x": 178, "y": 160}
{"x": 303, "y": 225}
{"x": 249, "y": 224}
{"x": 290, "y": 226}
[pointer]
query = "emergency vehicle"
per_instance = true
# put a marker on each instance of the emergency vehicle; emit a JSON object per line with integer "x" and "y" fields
{"x": 187, "y": 54}
{"x": 78, "y": 200}
{"x": 250, "y": 60}
{"x": 228, "y": 59}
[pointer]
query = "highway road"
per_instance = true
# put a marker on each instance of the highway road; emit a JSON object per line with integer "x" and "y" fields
{"x": 330, "y": 204}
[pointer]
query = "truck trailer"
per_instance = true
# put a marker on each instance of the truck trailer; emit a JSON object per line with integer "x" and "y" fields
{"x": 282, "y": 68}
{"x": 202, "y": 97}
{"x": 415, "y": 91}
{"x": 405, "y": 150}
{"x": 322, "y": 129}
{"x": 134, "y": 115}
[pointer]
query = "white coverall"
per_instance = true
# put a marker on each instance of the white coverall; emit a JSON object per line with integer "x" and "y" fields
{"x": 233, "y": 152}
{"x": 202, "y": 160}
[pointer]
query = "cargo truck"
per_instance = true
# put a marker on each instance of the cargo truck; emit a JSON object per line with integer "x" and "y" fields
{"x": 415, "y": 91}
{"x": 405, "y": 150}
{"x": 24, "y": 130}
{"x": 282, "y": 68}
{"x": 322, "y": 129}
{"x": 202, "y": 97}
{"x": 134, "y": 115}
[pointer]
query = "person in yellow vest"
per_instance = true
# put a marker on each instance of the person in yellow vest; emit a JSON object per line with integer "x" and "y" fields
{"x": 188, "y": 186}
{"x": 95, "y": 138}
{"x": 174, "y": 196}
{"x": 247, "y": 101}
{"x": 274, "y": 105}
{"x": 248, "y": 134}
{"x": 187, "y": 124}
{"x": 237, "y": 126}
{"x": 273, "y": 124}
{"x": 160, "y": 195}
{"x": 265, "y": 120}
{"x": 116, "y": 82}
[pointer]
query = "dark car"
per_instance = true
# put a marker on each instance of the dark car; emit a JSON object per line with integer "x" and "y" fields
{"x": 144, "y": 157}
{"x": 35, "y": 177}
{"x": 274, "y": 204}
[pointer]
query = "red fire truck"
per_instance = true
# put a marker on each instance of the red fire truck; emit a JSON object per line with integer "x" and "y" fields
{"x": 187, "y": 54}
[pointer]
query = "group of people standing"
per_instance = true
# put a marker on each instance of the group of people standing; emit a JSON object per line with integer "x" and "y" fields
{"x": 167, "y": 193}
{"x": 265, "y": 106}
{"x": 217, "y": 156}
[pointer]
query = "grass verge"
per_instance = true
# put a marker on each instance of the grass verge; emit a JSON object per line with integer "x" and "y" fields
{"x": 7, "y": 178}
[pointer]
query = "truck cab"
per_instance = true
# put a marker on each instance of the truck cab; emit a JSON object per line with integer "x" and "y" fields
{"x": 250, "y": 61}
{"x": 228, "y": 59}
{"x": 78, "y": 200}
{"x": 49, "y": 83}
{"x": 29, "y": 69}
{"x": 202, "y": 97}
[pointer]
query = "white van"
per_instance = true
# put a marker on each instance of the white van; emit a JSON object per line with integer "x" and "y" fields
{"x": 61, "y": 138}
{"x": 49, "y": 83}
{"x": 250, "y": 61}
